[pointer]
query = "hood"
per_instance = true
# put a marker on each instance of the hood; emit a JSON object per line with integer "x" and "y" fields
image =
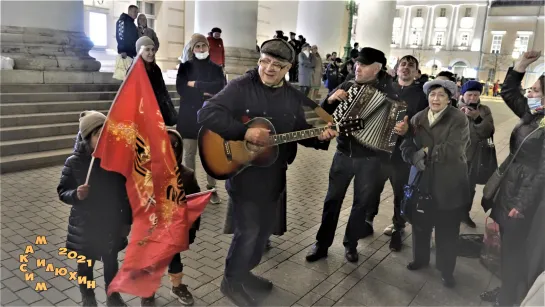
{"x": 126, "y": 17}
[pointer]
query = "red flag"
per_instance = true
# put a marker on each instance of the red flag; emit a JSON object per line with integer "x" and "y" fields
{"x": 134, "y": 142}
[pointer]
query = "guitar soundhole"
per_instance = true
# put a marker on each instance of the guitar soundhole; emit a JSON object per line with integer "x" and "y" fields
{"x": 253, "y": 148}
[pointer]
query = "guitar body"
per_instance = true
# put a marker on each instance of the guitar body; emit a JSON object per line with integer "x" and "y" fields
{"x": 223, "y": 159}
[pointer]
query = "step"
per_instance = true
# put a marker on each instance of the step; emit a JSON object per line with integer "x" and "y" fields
{"x": 34, "y": 160}
{"x": 46, "y": 88}
{"x": 40, "y": 118}
{"x": 61, "y": 96}
{"x": 17, "y": 147}
{"x": 38, "y": 131}
{"x": 62, "y": 106}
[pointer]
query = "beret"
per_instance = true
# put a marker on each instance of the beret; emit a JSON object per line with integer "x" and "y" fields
{"x": 472, "y": 85}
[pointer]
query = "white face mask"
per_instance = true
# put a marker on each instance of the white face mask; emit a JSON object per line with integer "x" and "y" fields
{"x": 202, "y": 55}
{"x": 534, "y": 103}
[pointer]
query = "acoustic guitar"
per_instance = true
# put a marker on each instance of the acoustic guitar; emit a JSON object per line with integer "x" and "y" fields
{"x": 224, "y": 159}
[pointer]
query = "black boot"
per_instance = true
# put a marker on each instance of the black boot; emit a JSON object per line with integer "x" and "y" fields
{"x": 258, "y": 283}
{"x": 316, "y": 253}
{"x": 448, "y": 280}
{"x": 115, "y": 300}
{"x": 88, "y": 298}
{"x": 351, "y": 254}
{"x": 395, "y": 241}
{"x": 238, "y": 293}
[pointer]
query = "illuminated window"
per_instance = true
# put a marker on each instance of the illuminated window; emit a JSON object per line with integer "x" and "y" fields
{"x": 496, "y": 44}
{"x": 415, "y": 38}
{"x": 521, "y": 43}
{"x": 98, "y": 29}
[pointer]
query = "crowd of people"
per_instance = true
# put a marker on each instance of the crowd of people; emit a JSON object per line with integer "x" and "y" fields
{"x": 437, "y": 146}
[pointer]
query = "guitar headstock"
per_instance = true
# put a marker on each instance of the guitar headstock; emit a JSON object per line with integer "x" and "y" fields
{"x": 350, "y": 125}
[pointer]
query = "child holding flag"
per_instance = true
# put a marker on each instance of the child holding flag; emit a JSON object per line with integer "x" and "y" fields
{"x": 100, "y": 216}
{"x": 175, "y": 268}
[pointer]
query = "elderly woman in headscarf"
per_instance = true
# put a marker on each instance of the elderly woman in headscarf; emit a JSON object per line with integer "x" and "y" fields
{"x": 198, "y": 79}
{"x": 436, "y": 149}
{"x": 146, "y": 46}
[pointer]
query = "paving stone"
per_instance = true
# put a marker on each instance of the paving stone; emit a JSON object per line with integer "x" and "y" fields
{"x": 398, "y": 275}
{"x": 14, "y": 284}
{"x": 54, "y": 296}
{"x": 29, "y": 295}
{"x": 372, "y": 292}
{"x": 204, "y": 290}
{"x": 324, "y": 301}
{"x": 294, "y": 278}
{"x": 7, "y": 296}
{"x": 60, "y": 283}
{"x": 309, "y": 299}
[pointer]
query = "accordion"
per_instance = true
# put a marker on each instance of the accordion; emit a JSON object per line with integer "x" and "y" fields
{"x": 378, "y": 112}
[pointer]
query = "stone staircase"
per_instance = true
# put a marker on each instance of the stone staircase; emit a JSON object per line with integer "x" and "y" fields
{"x": 39, "y": 122}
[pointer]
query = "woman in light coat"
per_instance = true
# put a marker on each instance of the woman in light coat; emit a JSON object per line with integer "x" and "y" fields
{"x": 317, "y": 74}
{"x": 306, "y": 69}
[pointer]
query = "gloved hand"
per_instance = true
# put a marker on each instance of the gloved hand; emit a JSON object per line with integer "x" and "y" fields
{"x": 419, "y": 155}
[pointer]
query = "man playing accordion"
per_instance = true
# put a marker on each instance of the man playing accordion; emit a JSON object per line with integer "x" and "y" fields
{"x": 353, "y": 160}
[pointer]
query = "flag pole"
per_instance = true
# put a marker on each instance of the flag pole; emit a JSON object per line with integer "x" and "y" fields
{"x": 108, "y": 114}
{"x": 201, "y": 193}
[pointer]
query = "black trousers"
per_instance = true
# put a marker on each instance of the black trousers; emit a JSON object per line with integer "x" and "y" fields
{"x": 343, "y": 169}
{"x": 513, "y": 234}
{"x": 253, "y": 225}
{"x": 472, "y": 185}
{"x": 447, "y": 230}
{"x": 111, "y": 266}
{"x": 398, "y": 174}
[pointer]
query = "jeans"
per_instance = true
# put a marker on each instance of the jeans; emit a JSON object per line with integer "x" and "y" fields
{"x": 111, "y": 266}
{"x": 190, "y": 153}
{"x": 253, "y": 224}
{"x": 398, "y": 173}
{"x": 343, "y": 169}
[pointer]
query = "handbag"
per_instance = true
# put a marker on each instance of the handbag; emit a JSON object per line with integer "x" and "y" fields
{"x": 492, "y": 186}
{"x": 490, "y": 256}
{"x": 415, "y": 199}
{"x": 486, "y": 162}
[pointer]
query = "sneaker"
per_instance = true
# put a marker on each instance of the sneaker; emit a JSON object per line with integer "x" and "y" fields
{"x": 389, "y": 230}
{"x": 88, "y": 299}
{"x": 115, "y": 300}
{"x": 183, "y": 295}
{"x": 215, "y": 198}
{"x": 490, "y": 296}
{"x": 147, "y": 301}
{"x": 395, "y": 242}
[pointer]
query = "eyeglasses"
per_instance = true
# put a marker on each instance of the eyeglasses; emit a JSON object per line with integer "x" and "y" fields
{"x": 276, "y": 65}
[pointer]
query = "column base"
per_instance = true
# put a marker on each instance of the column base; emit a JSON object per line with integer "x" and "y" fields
{"x": 238, "y": 61}
{"x": 47, "y": 49}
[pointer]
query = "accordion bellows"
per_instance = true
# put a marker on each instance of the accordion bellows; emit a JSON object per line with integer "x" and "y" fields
{"x": 378, "y": 112}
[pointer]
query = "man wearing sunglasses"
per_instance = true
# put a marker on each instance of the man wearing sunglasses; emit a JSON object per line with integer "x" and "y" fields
{"x": 255, "y": 192}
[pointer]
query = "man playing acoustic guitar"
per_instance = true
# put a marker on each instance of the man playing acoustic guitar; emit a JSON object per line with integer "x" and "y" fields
{"x": 255, "y": 191}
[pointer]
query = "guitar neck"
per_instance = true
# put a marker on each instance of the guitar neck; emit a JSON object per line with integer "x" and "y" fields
{"x": 297, "y": 135}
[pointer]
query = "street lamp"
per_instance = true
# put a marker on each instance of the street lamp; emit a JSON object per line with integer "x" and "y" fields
{"x": 352, "y": 8}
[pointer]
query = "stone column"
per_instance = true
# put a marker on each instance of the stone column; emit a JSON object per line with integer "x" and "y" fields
{"x": 375, "y": 24}
{"x": 238, "y": 23}
{"x": 46, "y": 36}
{"x": 320, "y": 22}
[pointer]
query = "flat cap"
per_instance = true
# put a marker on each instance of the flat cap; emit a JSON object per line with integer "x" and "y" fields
{"x": 369, "y": 56}
{"x": 279, "y": 49}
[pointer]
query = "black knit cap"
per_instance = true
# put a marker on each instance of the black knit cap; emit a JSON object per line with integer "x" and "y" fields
{"x": 215, "y": 30}
{"x": 279, "y": 49}
{"x": 369, "y": 56}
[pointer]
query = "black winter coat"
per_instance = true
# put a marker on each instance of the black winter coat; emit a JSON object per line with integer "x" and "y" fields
{"x": 170, "y": 116}
{"x": 209, "y": 78}
{"x": 522, "y": 184}
{"x": 99, "y": 224}
{"x": 283, "y": 106}
{"x": 126, "y": 34}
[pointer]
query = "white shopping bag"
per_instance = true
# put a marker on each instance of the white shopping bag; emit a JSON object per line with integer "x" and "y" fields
{"x": 122, "y": 66}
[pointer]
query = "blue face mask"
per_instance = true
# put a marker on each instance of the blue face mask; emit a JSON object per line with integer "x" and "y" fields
{"x": 534, "y": 103}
